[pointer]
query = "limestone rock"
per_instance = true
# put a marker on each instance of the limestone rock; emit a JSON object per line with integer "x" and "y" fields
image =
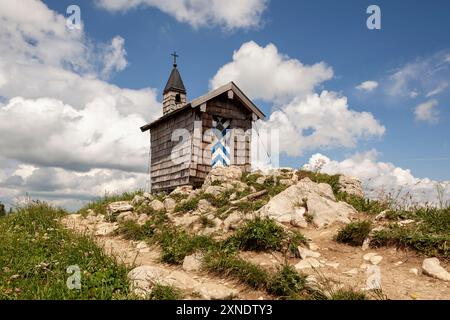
{"x": 193, "y": 262}
{"x": 223, "y": 174}
{"x": 157, "y": 205}
{"x": 305, "y": 253}
{"x": 414, "y": 271}
{"x": 308, "y": 263}
{"x": 376, "y": 259}
{"x": 351, "y": 185}
{"x": 148, "y": 196}
{"x": 118, "y": 207}
{"x": 212, "y": 291}
{"x": 182, "y": 190}
{"x": 205, "y": 207}
{"x": 320, "y": 201}
{"x": 127, "y": 216}
{"x": 143, "y": 278}
{"x": 170, "y": 204}
{"x": 137, "y": 200}
{"x": 232, "y": 221}
{"x": 142, "y": 219}
{"x": 215, "y": 190}
{"x": 432, "y": 267}
{"x": 105, "y": 229}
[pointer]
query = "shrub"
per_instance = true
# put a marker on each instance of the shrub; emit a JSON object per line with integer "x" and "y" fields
{"x": 176, "y": 245}
{"x": 430, "y": 235}
{"x": 259, "y": 235}
{"x": 187, "y": 205}
{"x": 362, "y": 204}
{"x": 349, "y": 294}
{"x": 286, "y": 282}
{"x": 2, "y": 210}
{"x": 162, "y": 292}
{"x": 354, "y": 233}
{"x": 228, "y": 264}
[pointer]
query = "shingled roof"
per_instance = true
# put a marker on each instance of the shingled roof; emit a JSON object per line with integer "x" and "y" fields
{"x": 175, "y": 83}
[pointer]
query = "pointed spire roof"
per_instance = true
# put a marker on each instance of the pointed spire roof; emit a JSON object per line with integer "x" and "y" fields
{"x": 175, "y": 83}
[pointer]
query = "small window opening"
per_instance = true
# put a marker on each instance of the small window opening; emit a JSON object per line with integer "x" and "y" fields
{"x": 178, "y": 98}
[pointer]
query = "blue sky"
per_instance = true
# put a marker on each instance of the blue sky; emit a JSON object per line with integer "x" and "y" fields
{"x": 318, "y": 71}
{"x": 311, "y": 31}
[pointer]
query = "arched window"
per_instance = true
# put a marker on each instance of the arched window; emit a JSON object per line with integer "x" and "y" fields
{"x": 178, "y": 98}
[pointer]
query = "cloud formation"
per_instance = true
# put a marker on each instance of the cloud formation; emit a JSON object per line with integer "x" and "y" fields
{"x": 70, "y": 134}
{"x": 306, "y": 120}
{"x": 381, "y": 179}
{"x": 367, "y": 86}
{"x": 427, "y": 112}
{"x": 230, "y": 14}
{"x": 266, "y": 74}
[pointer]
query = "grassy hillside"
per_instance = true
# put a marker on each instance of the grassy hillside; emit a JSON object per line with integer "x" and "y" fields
{"x": 35, "y": 252}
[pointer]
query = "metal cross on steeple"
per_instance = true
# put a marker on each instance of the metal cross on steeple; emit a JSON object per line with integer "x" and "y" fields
{"x": 175, "y": 56}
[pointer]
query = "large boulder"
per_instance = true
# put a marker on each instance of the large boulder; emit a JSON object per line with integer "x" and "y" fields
{"x": 351, "y": 185}
{"x": 223, "y": 174}
{"x": 157, "y": 205}
{"x": 317, "y": 199}
{"x": 170, "y": 204}
{"x": 118, "y": 207}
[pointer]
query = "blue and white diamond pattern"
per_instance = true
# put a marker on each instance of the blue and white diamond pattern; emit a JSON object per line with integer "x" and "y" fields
{"x": 220, "y": 152}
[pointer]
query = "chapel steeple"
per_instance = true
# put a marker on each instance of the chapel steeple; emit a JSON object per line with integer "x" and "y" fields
{"x": 174, "y": 95}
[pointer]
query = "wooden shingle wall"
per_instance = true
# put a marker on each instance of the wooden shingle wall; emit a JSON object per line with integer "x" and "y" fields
{"x": 167, "y": 174}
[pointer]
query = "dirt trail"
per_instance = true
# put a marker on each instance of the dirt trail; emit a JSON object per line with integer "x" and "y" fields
{"x": 129, "y": 253}
{"x": 397, "y": 281}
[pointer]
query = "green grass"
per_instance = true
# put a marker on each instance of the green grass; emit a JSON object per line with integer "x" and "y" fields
{"x": 228, "y": 264}
{"x": 259, "y": 235}
{"x": 35, "y": 252}
{"x": 286, "y": 283}
{"x": 177, "y": 244}
{"x": 362, "y": 204}
{"x": 354, "y": 233}
{"x": 349, "y": 294}
{"x": 99, "y": 205}
{"x": 332, "y": 180}
{"x": 265, "y": 234}
{"x": 162, "y": 292}
{"x": 430, "y": 235}
{"x": 187, "y": 205}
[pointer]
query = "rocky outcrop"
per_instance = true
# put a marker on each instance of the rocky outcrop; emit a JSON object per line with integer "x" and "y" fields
{"x": 223, "y": 174}
{"x": 143, "y": 279}
{"x": 118, "y": 207}
{"x": 351, "y": 185}
{"x": 316, "y": 199}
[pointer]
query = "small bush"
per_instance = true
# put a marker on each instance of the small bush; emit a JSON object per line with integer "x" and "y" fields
{"x": 161, "y": 292}
{"x": 187, "y": 205}
{"x": 286, "y": 283}
{"x": 430, "y": 235}
{"x": 354, "y": 233}
{"x": 228, "y": 264}
{"x": 259, "y": 235}
{"x": 362, "y": 204}
{"x": 130, "y": 230}
{"x": 176, "y": 245}
{"x": 348, "y": 295}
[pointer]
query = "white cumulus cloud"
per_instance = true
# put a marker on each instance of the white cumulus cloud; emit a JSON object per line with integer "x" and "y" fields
{"x": 367, "y": 86}
{"x": 384, "y": 179}
{"x": 427, "y": 112}
{"x": 264, "y": 73}
{"x": 230, "y": 14}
